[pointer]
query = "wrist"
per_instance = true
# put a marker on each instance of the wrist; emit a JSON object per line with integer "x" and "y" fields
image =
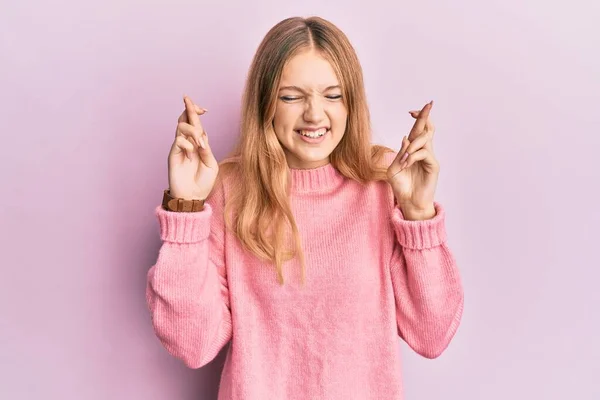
{"x": 185, "y": 196}
{"x": 418, "y": 214}
{"x": 174, "y": 203}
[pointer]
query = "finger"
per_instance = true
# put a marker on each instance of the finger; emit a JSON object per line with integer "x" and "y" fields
{"x": 419, "y": 143}
{"x": 421, "y": 120}
{"x": 420, "y": 155}
{"x": 207, "y": 156}
{"x": 429, "y": 129}
{"x": 184, "y": 118}
{"x": 183, "y": 145}
{"x": 190, "y": 131}
{"x": 192, "y": 115}
{"x": 428, "y": 124}
{"x": 204, "y": 139}
{"x": 402, "y": 154}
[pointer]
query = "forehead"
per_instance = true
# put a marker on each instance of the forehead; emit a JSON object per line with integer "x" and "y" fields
{"x": 308, "y": 70}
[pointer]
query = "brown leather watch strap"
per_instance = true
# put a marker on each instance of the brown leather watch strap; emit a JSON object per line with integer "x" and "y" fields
{"x": 181, "y": 205}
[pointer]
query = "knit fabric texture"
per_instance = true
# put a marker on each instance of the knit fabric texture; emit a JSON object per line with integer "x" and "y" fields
{"x": 372, "y": 279}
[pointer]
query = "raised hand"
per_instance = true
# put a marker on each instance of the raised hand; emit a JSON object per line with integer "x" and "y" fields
{"x": 193, "y": 168}
{"x": 414, "y": 172}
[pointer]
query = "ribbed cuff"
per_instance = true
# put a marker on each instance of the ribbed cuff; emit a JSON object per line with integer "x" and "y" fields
{"x": 184, "y": 227}
{"x": 420, "y": 235}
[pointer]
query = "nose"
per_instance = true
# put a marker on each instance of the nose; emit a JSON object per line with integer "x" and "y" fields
{"x": 314, "y": 111}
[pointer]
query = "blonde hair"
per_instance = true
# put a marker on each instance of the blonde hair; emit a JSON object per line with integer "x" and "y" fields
{"x": 262, "y": 218}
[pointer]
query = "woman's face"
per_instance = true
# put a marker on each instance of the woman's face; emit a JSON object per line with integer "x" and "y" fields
{"x": 310, "y": 115}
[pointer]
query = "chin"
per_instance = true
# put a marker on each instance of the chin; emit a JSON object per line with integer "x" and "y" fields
{"x": 312, "y": 159}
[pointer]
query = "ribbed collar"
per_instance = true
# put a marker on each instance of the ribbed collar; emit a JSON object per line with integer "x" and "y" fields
{"x": 315, "y": 179}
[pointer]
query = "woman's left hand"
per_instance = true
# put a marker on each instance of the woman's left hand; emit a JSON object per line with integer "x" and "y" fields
{"x": 414, "y": 172}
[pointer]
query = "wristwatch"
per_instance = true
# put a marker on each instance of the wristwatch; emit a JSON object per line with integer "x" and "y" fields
{"x": 171, "y": 203}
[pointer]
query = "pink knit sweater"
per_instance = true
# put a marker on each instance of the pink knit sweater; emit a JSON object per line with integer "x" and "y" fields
{"x": 371, "y": 278}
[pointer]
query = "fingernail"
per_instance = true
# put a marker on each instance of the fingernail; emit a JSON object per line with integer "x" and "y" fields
{"x": 202, "y": 144}
{"x": 404, "y": 157}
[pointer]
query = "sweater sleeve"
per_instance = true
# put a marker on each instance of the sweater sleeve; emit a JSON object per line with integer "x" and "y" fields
{"x": 426, "y": 282}
{"x": 187, "y": 291}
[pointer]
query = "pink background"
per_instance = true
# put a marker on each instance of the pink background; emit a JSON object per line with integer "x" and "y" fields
{"x": 89, "y": 97}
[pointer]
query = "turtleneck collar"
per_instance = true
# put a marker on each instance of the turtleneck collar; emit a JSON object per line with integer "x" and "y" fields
{"x": 315, "y": 179}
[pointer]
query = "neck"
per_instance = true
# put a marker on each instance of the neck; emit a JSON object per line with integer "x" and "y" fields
{"x": 295, "y": 163}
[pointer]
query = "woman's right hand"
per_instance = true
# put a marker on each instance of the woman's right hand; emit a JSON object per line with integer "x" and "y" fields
{"x": 193, "y": 168}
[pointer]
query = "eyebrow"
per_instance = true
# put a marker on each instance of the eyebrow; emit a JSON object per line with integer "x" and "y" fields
{"x": 303, "y": 91}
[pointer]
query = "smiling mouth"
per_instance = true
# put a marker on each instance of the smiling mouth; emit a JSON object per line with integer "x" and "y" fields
{"x": 313, "y": 134}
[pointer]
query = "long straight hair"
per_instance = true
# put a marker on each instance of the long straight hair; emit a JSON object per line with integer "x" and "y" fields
{"x": 261, "y": 215}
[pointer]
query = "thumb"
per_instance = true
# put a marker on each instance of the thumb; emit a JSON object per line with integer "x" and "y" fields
{"x": 205, "y": 152}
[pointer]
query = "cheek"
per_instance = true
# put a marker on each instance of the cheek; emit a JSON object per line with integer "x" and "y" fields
{"x": 339, "y": 115}
{"x": 285, "y": 117}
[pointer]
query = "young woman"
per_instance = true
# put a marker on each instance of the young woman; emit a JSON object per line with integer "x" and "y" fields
{"x": 311, "y": 250}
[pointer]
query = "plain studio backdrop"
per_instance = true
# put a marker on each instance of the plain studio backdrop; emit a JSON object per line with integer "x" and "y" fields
{"x": 89, "y": 97}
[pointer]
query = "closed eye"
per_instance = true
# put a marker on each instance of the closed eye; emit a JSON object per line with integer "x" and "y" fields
{"x": 289, "y": 98}
{"x": 294, "y": 98}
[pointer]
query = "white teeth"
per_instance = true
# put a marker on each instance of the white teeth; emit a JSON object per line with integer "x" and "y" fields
{"x": 314, "y": 134}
